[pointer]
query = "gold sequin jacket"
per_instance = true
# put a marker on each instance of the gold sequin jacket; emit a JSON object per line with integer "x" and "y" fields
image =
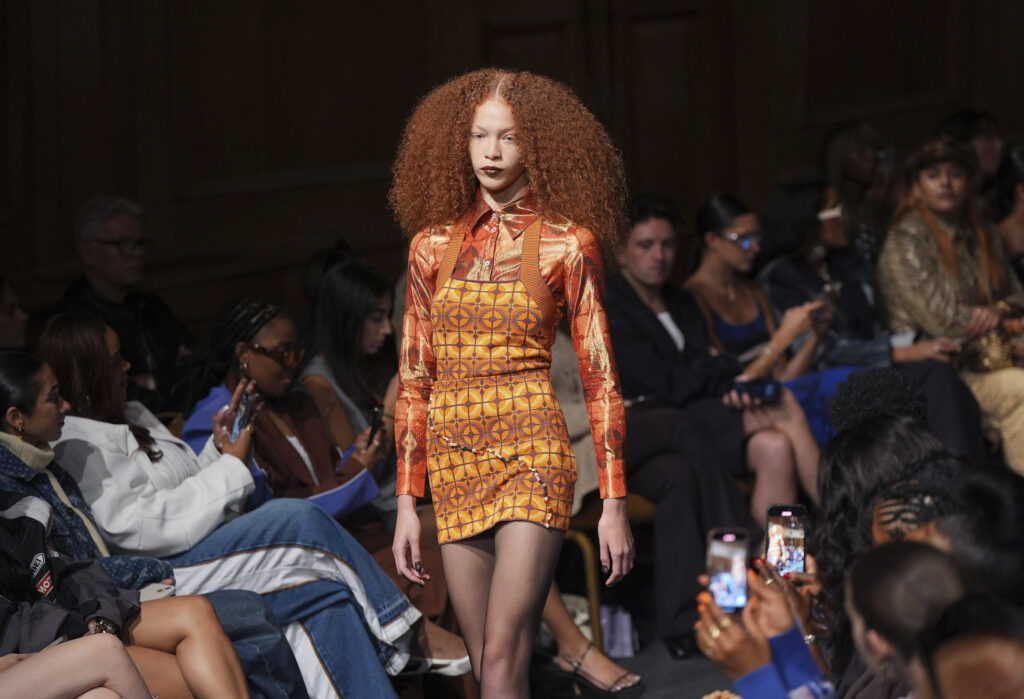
{"x": 917, "y": 291}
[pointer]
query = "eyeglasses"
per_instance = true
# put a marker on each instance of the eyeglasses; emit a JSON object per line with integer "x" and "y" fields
{"x": 744, "y": 241}
{"x": 285, "y": 357}
{"x": 831, "y": 213}
{"x": 126, "y": 246}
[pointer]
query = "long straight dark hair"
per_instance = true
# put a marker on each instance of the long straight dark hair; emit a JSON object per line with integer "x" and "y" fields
{"x": 19, "y": 383}
{"x": 346, "y": 296}
{"x": 75, "y": 348}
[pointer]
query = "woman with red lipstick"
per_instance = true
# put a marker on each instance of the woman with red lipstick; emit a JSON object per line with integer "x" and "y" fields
{"x": 514, "y": 195}
{"x": 942, "y": 273}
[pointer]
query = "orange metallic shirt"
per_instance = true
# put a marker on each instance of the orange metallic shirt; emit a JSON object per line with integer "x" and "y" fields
{"x": 571, "y": 265}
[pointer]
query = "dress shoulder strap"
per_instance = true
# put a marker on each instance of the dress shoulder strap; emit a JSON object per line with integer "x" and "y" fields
{"x": 451, "y": 253}
{"x": 529, "y": 265}
{"x": 766, "y": 308}
{"x": 709, "y": 319}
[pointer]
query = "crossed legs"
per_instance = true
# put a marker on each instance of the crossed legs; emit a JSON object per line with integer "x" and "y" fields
{"x": 498, "y": 582}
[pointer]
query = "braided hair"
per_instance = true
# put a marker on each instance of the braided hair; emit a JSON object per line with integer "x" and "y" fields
{"x": 239, "y": 320}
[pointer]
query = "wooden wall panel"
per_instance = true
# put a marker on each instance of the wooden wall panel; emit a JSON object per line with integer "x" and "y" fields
{"x": 256, "y": 131}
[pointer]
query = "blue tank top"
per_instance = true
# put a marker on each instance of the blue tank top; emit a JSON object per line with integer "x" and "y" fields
{"x": 737, "y": 339}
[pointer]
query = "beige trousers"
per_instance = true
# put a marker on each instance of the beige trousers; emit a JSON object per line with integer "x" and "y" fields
{"x": 1001, "y": 397}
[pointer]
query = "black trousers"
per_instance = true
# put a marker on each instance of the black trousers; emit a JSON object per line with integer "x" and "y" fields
{"x": 674, "y": 460}
{"x": 953, "y": 413}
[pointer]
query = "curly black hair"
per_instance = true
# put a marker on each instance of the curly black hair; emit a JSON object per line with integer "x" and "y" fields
{"x": 872, "y": 392}
{"x": 856, "y": 465}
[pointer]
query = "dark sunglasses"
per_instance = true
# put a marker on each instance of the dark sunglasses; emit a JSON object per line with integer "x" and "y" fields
{"x": 285, "y": 357}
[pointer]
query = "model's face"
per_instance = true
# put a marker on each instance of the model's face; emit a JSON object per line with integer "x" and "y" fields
{"x": 119, "y": 366}
{"x": 494, "y": 149}
{"x": 272, "y": 357}
{"x": 377, "y": 326}
{"x": 943, "y": 188}
{"x": 739, "y": 244}
{"x": 650, "y": 253}
{"x": 13, "y": 320}
{"x": 46, "y": 419}
{"x": 117, "y": 254}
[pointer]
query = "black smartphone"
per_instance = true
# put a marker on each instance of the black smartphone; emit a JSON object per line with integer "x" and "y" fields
{"x": 768, "y": 391}
{"x": 375, "y": 421}
{"x": 243, "y": 417}
{"x": 727, "y": 567}
{"x": 786, "y": 534}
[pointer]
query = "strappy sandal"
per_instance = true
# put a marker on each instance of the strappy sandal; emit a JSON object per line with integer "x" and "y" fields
{"x": 587, "y": 686}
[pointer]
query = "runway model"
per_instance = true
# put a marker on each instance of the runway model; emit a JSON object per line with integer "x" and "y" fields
{"x": 514, "y": 196}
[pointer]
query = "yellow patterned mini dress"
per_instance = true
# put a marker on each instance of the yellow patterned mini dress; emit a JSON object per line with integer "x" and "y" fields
{"x": 495, "y": 443}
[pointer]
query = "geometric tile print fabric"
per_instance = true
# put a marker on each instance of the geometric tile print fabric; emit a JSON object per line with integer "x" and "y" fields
{"x": 497, "y": 447}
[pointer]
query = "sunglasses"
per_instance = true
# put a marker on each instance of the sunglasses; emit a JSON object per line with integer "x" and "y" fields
{"x": 284, "y": 357}
{"x": 746, "y": 242}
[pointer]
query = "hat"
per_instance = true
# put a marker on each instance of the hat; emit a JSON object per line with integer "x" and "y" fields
{"x": 940, "y": 150}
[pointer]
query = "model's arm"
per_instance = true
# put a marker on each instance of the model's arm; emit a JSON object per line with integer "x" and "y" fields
{"x": 142, "y": 510}
{"x": 415, "y": 369}
{"x": 588, "y": 323}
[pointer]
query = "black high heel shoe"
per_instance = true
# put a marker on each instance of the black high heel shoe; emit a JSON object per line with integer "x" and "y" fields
{"x": 585, "y": 685}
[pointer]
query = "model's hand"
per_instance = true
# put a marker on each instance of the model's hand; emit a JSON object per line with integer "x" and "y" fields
{"x": 616, "y": 540}
{"x": 407, "y": 542}
{"x": 724, "y": 641}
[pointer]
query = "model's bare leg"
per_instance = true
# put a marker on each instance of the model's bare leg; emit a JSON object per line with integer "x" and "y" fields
{"x": 96, "y": 667}
{"x": 188, "y": 627}
{"x": 770, "y": 457}
{"x": 572, "y": 645}
{"x": 525, "y": 555}
{"x": 468, "y": 569}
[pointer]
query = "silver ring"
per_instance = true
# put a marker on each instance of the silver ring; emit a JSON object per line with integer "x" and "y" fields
{"x": 935, "y": 348}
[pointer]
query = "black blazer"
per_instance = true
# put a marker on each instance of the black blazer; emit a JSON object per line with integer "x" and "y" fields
{"x": 649, "y": 363}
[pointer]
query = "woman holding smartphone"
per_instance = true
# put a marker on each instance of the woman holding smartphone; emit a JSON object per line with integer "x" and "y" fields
{"x": 513, "y": 194}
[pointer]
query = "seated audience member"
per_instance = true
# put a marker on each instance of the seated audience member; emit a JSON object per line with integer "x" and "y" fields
{"x": 32, "y": 413}
{"x": 111, "y": 247}
{"x": 978, "y": 131}
{"x": 664, "y": 359}
{"x": 151, "y": 495}
{"x": 855, "y": 467}
{"x": 942, "y": 273}
{"x": 975, "y": 517}
{"x": 860, "y": 171}
{"x": 177, "y": 643}
{"x": 769, "y": 655}
{"x": 803, "y": 221}
{"x": 740, "y": 319}
{"x": 1008, "y": 207}
{"x": 350, "y": 371}
{"x": 893, "y": 593}
{"x": 976, "y": 649}
{"x": 96, "y": 667}
{"x": 13, "y": 320}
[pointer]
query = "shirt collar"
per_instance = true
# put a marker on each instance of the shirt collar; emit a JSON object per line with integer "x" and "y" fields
{"x": 515, "y": 217}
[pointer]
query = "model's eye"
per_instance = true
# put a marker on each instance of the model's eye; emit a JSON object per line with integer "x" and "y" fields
{"x": 510, "y": 138}
{"x": 477, "y": 136}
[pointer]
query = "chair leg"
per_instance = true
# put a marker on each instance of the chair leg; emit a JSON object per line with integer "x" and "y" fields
{"x": 590, "y": 567}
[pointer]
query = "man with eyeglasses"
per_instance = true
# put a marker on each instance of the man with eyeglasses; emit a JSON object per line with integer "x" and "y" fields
{"x": 111, "y": 246}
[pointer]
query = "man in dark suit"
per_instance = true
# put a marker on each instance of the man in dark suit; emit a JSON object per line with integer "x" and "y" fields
{"x": 686, "y": 446}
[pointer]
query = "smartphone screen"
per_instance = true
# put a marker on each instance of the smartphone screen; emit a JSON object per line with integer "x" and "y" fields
{"x": 785, "y": 541}
{"x": 727, "y": 568}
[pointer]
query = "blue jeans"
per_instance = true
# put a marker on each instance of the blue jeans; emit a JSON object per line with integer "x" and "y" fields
{"x": 268, "y": 662}
{"x": 345, "y": 620}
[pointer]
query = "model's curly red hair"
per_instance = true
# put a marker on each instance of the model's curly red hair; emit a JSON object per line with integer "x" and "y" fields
{"x": 574, "y": 170}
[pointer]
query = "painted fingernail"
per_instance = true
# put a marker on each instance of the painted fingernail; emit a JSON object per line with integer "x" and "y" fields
{"x": 787, "y": 576}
